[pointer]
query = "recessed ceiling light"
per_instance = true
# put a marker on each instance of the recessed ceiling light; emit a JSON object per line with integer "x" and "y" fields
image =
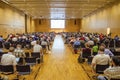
{"x": 6, "y": 1}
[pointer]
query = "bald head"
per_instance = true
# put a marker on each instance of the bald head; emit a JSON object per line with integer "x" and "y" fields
{"x": 11, "y": 49}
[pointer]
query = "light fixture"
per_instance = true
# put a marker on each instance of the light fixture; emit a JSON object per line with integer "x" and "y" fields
{"x": 108, "y": 30}
{"x": 5, "y": 1}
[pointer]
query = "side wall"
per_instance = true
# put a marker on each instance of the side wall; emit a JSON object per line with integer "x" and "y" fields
{"x": 100, "y": 21}
{"x": 11, "y": 20}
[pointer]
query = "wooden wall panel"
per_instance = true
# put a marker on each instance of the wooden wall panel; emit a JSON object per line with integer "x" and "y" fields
{"x": 11, "y": 20}
{"x": 100, "y": 21}
{"x": 32, "y": 25}
{"x": 28, "y": 24}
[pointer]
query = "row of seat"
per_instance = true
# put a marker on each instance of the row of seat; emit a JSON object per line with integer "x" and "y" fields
{"x": 27, "y": 54}
{"x": 24, "y": 64}
{"x": 21, "y": 69}
{"x": 29, "y": 61}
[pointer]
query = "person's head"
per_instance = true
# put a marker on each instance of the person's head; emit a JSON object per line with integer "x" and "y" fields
{"x": 87, "y": 45}
{"x": 103, "y": 45}
{"x": 18, "y": 46}
{"x": 11, "y": 49}
{"x": 101, "y": 48}
{"x": 115, "y": 61}
{"x": 37, "y": 42}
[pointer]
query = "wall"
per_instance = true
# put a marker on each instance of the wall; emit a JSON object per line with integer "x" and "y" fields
{"x": 43, "y": 25}
{"x": 100, "y": 21}
{"x": 11, "y": 20}
{"x": 32, "y": 25}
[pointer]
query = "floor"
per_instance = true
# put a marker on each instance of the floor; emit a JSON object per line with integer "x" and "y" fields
{"x": 61, "y": 64}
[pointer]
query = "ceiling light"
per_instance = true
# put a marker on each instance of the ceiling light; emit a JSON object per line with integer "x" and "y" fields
{"x": 5, "y": 1}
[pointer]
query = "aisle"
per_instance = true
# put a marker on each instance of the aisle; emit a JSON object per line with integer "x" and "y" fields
{"x": 61, "y": 64}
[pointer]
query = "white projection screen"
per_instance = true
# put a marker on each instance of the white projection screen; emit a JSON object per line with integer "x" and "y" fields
{"x": 57, "y": 23}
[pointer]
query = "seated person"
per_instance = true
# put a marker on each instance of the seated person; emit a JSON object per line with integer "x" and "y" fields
{"x": 76, "y": 45}
{"x": 86, "y": 50}
{"x": 9, "y": 58}
{"x": 107, "y": 51}
{"x": 112, "y": 72}
{"x": 95, "y": 49}
{"x": 101, "y": 58}
{"x": 18, "y": 52}
{"x": 72, "y": 41}
{"x": 44, "y": 45}
{"x": 38, "y": 48}
{"x": 90, "y": 42}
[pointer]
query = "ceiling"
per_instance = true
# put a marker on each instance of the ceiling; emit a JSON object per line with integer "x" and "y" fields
{"x": 59, "y": 9}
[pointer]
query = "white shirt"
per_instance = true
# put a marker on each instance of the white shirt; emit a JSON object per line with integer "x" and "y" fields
{"x": 19, "y": 52}
{"x": 101, "y": 59}
{"x": 37, "y": 48}
{"x": 43, "y": 43}
{"x": 90, "y": 42}
{"x": 33, "y": 43}
{"x": 113, "y": 72}
{"x": 8, "y": 59}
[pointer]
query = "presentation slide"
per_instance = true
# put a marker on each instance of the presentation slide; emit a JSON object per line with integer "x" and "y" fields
{"x": 57, "y": 23}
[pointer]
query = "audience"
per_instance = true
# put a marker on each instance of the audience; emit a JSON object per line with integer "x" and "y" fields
{"x": 37, "y": 47}
{"x": 95, "y": 49}
{"x": 44, "y": 45}
{"x": 9, "y": 58}
{"x": 107, "y": 51}
{"x": 91, "y": 43}
{"x": 18, "y": 52}
{"x": 41, "y": 41}
{"x": 76, "y": 45}
{"x": 112, "y": 72}
{"x": 86, "y": 50}
{"x": 101, "y": 58}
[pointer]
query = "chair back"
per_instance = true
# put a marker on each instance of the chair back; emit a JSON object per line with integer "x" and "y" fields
{"x": 35, "y": 54}
{"x": 30, "y": 61}
{"x": 100, "y": 68}
{"x": 116, "y": 53}
{"x": 21, "y": 61}
{"x": 112, "y": 43}
{"x": 27, "y": 54}
{"x": 7, "y": 68}
{"x": 23, "y": 69}
{"x": 90, "y": 59}
{"x": 117, "y": 43}
{"x": 7, "y": 45}
{"x": 76, "y": 46}
{"x": 43, "y": 46}
{"x": 1, "y": 53}
{"x": 114, "y": 79}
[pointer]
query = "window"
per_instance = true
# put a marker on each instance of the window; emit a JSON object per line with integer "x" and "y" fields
{"x": 57, "y": 23}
